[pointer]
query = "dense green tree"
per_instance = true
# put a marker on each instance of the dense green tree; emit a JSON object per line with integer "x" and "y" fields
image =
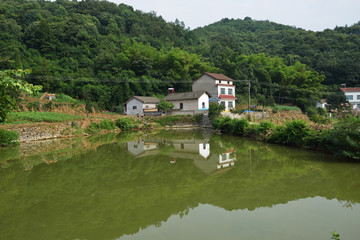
{"x": 11, "y": 85}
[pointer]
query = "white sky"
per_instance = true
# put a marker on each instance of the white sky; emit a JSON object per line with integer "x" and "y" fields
{"x": 315, "y": 15}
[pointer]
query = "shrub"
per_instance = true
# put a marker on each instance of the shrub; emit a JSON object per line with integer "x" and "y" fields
{"x": 172, "y": 120}
{"x": 291, "y": 133}
{"x": 107, "y": 124}
{"x": 275, "y": 110}
{"x": 7, "y": 137}
{"x": 93, "y": 127}
{"x": 48, "y": 106}
{"x": 265, "y": 127}
{"x": 343, "y": 139}
{"x": 215, "y": 110}
{"x": 198, "y": 118}
{"x": 240, "y": 126}
{"x": 124, "y": 124}
{"x": 34, "y": 106}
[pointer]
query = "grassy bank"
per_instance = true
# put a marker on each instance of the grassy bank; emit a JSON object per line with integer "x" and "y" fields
{"x": 342, "y": 140}
{"x": 27, "y": 117}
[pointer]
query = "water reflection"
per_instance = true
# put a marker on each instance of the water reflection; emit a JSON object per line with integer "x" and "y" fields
{"x": 198, "y": 150}
{"x": 135, "y": 187}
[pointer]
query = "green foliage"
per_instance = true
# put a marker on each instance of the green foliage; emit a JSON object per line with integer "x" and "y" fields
{"x": 7, "y": 137}
{"x": 335, "y": 235}
{"x": 107, "y": 124}
{"x": 124, "y": 124}
{"x": 105, "y": 53}
{"x": 215, "y": 110}
{"x": 11, "y": 85}
{"x": 172, "y": 120}
{"x": 198, "y": 118}
{"x": 292, "y": 133}
{"x": 165, "y": 106}
{"x": 40, "y": 117}
{"x": 343, "y": 139}
{"x": 92, "y": 128}
{"x": 33, "y": 106}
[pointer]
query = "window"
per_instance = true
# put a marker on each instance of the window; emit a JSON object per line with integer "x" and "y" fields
{"x": 181, "y": 106}
{"x": 222, "y": 103}
{"x": 182, "y": 146}
{"x": 230, "y": 104}
{"x": 349, "y": 97}
{"x": 228, "y": 82}
{"x": 134, "y": 107}
{"x": 203, "y": 104}
{"x": 222, "y": 90}
{"x": 358, "y": 97}
{"x": 230, "y": 91}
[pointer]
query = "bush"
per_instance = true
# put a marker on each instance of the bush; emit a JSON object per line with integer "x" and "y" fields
{"x": 7, "y": 137}
{"x": 215, "y": 110}
{"x": 107, "y": 124}
{"x": 172, "y": 120}
{"x": 343, "y": 139}
{"x": 291, "y": 133}
{"x": 92, "y": 128}
{"x": 240, "y": 126}
{"x": 124, "y": 124}
{"x": 265, "y": 128}
{"x": 198, "y": 118}
{"x": 35, "y": 106}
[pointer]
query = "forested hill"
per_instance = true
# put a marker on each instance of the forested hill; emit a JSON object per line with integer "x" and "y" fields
{"x": 334, "y": 53}
{"x": 105, "y": 53}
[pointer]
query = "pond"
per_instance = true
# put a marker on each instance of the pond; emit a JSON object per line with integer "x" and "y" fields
{"x": 183, "y": 184}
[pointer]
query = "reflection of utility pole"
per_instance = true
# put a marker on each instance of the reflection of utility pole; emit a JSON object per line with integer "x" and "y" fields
{"x": 250, "y": 162}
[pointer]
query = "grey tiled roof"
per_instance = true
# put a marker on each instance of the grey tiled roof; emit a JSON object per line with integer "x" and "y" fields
{"x": 145, "y": 99}
{"x": 185, "y": 95}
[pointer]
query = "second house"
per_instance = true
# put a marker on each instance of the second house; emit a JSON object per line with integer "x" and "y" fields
{"x": 189, "y": 102}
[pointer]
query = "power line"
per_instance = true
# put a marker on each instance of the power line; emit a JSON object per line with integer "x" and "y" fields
{"x": 170, "y": 81}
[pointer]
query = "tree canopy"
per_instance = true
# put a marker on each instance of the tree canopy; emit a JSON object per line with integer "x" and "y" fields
{"x": 105, "y": 53}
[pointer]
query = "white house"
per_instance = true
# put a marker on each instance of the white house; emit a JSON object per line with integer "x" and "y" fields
{"x": 353, "y": 96}
{"x": 138, "y": 104}
{"x": 219, "y": 86}
{"x": 189, "y": 102}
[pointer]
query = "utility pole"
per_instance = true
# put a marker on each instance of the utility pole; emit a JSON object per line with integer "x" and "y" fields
{"x": 249, "y": 96}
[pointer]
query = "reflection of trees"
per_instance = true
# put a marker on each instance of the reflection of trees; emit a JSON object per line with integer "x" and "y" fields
{"x": 107, "y": 193}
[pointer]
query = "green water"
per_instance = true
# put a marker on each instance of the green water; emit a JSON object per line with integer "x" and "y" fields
{"x": 175, "y": 185}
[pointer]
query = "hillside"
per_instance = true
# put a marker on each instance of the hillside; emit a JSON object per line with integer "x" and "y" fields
{"x": 105, "y": 53}
{"x": 333, "y": 53}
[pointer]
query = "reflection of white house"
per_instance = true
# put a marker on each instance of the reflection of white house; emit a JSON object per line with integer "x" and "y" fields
{"x": 353, "y": 96}
{"x": 226, "y": 159}
{"x": 137, "y": 148}
{"x": 204, "y": 150}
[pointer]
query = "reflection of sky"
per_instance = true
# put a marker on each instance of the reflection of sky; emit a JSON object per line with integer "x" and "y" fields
{"x": 310, "y": 218}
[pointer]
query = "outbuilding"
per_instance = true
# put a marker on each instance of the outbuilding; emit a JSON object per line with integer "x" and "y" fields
{"x": 189, "y": 102}
{"x": 139, "y": 104}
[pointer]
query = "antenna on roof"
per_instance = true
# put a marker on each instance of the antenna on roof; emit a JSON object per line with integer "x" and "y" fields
{"x": 343, "y": 85}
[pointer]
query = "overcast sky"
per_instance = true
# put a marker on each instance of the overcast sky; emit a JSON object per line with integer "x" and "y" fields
{"x": 315, "y": 15}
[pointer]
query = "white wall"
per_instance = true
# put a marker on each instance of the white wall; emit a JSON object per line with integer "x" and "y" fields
{"x": 204, "y": 98}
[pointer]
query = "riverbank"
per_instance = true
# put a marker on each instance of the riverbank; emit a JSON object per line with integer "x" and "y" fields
{"x": 46, "y": 125}
{"x": 342, "y": 139}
